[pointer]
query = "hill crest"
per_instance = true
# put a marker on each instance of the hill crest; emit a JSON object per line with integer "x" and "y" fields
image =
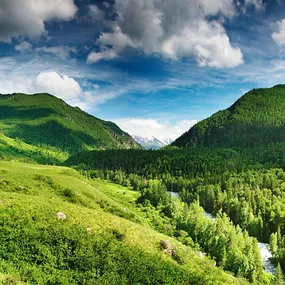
{"x": 44, "y": 120}
{"x": 256, "y": 119}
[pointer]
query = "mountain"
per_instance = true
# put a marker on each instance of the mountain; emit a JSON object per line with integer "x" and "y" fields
{"x": 46, "y": 121}
{"x": 150, "y": 143}
{"x": 256, "y": 119}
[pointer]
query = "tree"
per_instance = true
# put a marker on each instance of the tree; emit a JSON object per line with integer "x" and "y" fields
{"x": 273, "y": 243}
{"x": 278, "y": 276}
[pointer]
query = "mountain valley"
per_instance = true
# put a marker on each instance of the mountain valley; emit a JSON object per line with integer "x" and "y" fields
{"x": 108, "y": 204}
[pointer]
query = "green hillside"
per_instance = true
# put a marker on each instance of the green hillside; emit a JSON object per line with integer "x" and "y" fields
{"x": 45, "y": 121}
{"x": 105, "y": 237}
{"x": 256, "y": 119}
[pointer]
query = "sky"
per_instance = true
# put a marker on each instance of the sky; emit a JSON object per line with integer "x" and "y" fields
{"x": 155, "y": 67}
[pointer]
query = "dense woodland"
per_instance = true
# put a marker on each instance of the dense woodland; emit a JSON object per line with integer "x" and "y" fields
{"x": 241, "y": 187}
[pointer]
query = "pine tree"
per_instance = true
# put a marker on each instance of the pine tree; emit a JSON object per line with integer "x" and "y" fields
{"x": 278, "y": 276}
{"x": 273, "y": 242}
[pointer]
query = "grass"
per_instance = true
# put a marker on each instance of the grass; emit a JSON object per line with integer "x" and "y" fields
{"x": 19, "y": 150}
{"x": 10, "y": 280}
{"x": 105, "y": 238}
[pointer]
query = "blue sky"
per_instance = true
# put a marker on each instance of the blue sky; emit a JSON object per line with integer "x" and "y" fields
{"x": 155, "y": 67}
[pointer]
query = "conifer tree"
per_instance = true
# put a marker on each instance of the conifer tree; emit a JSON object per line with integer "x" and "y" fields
{"x": 278, "y": 276}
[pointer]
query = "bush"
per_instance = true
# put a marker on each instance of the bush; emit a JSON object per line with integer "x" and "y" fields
{"x": 68, "y": 193}
{"x": 179, "y": 255}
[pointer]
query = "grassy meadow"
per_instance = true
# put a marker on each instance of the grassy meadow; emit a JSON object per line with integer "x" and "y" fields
{"x": 105, "y": 238}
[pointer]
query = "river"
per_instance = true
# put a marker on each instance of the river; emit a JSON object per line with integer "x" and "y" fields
{"x": 264, "y": 248}
{"x": 266, "y": 255}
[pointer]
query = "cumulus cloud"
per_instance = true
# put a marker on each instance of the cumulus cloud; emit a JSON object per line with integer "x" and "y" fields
{"x": 148, "y": 128}
{"x": 220, "y": 6}
{"x": 62, "y": 52}
{"x": 24, "y": 46}
{"x": 116, "y": 39}
{"x": 62, "y": 86}
{"x": 212, "y": 49}
{"x": 27, "y": 18}
{"x": 172, "y": 29}
{"x": 279, "y": 35}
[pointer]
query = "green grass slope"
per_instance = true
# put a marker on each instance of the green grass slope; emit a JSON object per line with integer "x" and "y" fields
{"x": 256, "y": 119}
{"x": 18, "y": 149}
{"x": 105, "y": 238}
{"x": 45, "y": 121}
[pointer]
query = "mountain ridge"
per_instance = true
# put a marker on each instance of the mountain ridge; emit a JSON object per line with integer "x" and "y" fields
{"x": 255, "y": 119}
{"x": 42, "y": 119}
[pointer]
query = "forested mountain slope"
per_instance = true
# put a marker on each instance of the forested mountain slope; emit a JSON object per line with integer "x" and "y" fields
{"x": 256, "y": 119}
{"x": 46, "y": 121}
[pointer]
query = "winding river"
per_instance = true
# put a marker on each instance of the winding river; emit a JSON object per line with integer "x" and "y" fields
{"x": 264, "y": 248}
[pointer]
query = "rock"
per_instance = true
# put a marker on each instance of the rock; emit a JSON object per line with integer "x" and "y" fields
{"x": 200, "y": 253}
{"x": 165, "y": 244}
{"x": 167, "y": 247}
{"x": 60, "y": 216}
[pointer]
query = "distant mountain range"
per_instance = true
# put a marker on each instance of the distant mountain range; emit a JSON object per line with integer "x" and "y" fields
{"x": 151, "y": 142}
{"x": 257, "y": 119}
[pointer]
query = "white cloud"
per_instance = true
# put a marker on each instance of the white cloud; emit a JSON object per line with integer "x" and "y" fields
{"x": 212, "y": 49}
{"x": 24, "y": 46}
{"x": 219, "y": 6}
{"x": 27, "y": 18}
{"x": 279, "y": 35}
{"x": 116, "y": 39}
{"x": 102, "y": 55}
{"x": 61, "y": 86}
{"x": 62, "y": 52}
{"x": 148, "y": 128}
{"x": 172, "y": 29}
